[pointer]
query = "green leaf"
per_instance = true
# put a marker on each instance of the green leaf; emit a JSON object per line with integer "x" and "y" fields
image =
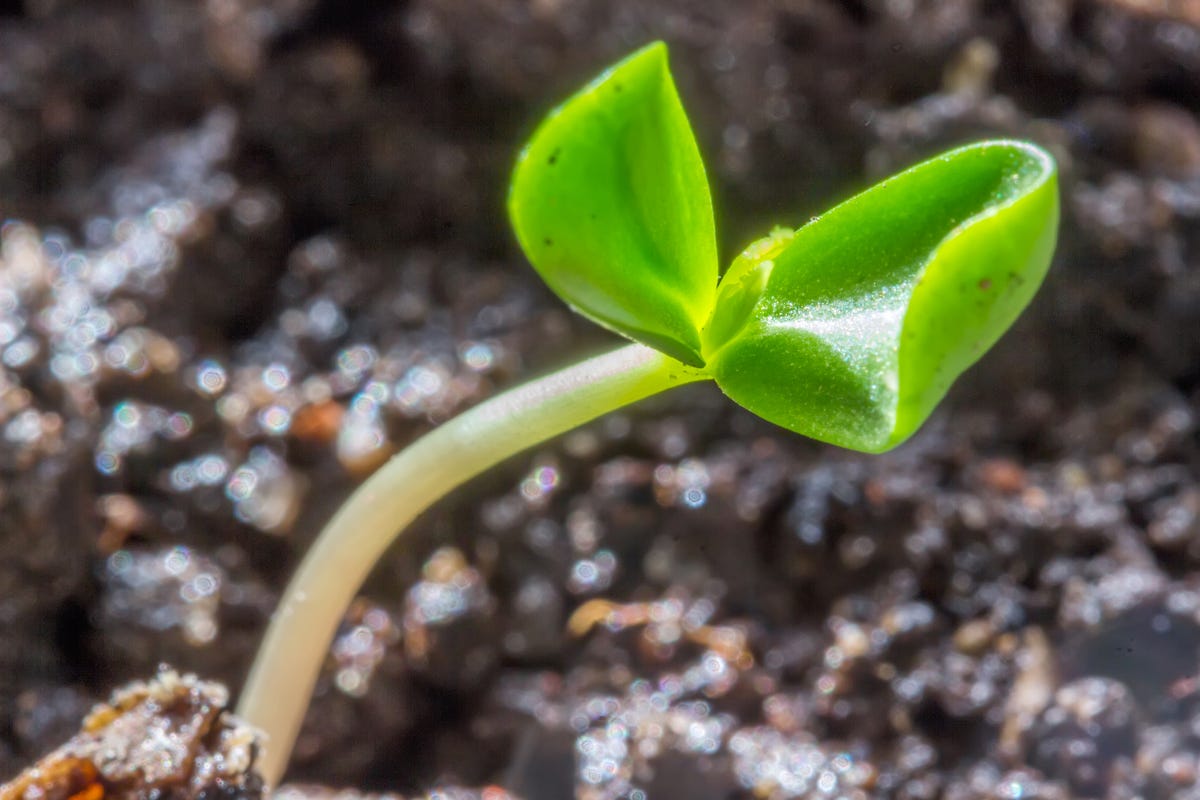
{"x": 851, "y": 330}
{"x": 611, "y": 205}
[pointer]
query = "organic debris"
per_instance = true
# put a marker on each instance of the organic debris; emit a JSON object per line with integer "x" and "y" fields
{"x": 168, "y": 738}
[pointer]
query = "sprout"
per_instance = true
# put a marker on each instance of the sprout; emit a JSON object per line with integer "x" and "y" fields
{"x": 849, "y": 329}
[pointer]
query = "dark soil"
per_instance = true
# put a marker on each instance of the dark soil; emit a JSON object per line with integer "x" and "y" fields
{"x": 251, "y": 246}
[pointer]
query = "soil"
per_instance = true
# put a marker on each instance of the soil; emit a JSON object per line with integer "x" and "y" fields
{"x": 250, "y": 247}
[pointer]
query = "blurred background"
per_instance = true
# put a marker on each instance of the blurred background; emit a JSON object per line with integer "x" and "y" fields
{"x": 252, "y": 247}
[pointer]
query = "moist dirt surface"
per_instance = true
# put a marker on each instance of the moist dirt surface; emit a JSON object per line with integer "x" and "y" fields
{"x": 252, "y": 247}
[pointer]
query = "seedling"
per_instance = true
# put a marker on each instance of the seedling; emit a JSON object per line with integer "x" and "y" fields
{"x": 848, "y": 330}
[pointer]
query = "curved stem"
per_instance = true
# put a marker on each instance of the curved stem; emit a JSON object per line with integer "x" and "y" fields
{"x": 281, "y": 681}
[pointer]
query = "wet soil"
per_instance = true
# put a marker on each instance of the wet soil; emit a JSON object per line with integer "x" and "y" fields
{"x": 250, "y": 247}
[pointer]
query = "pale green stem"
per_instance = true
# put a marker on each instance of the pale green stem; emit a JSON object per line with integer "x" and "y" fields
{"x": 280, "y": 683}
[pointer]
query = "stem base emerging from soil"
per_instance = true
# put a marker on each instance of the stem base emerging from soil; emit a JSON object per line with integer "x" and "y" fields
{"x": 279, "y": 687}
